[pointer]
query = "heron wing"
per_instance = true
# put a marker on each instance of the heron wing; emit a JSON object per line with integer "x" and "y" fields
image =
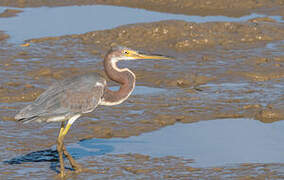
{"x": 80, "y": 94}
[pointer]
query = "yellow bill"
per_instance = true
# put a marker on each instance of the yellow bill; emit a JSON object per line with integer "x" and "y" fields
{"x": 137, "y": 55}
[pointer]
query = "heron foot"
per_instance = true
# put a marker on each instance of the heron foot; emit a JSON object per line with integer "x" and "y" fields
{"x": 62, "y": 175}
{"x": 75, "y": 165}
{"x": 78, "y": 169}
{"x": 67, "y": 174}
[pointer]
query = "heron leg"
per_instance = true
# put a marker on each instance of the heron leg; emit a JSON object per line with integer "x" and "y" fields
{"x": 60, "y": 149}
{"x": 73, "y": 163}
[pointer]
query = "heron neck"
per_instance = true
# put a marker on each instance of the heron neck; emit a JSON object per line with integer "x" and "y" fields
{"x": 124, "y": 77}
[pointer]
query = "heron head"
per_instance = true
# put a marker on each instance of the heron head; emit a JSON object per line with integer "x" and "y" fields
{"x": 123, "y": 53}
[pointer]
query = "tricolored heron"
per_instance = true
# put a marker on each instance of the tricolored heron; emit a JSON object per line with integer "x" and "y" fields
{"x": 67, "y": 100}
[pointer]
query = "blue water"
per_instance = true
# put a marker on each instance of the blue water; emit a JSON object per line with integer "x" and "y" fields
{"x": 208, "y": 143}
{"x": 143, "y": 90}
{"x": 57, "y": 21}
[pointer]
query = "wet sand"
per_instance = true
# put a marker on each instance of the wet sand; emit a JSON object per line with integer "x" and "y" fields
{"x": 220, "y": 70}
{"x": 10, "y": 13}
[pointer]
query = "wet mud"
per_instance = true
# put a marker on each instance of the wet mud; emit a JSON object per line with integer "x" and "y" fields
{"x": 219, "y": 70}
{"x": 137, "y": 166}
{"x": 10, "y": 13}
{"x": 3, "y": 36}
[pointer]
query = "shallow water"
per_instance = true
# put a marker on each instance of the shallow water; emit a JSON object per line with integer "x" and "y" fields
{"x": 208, "y": 143}
{"x": 44, "y": 21}
{"x": 143, "y": 90}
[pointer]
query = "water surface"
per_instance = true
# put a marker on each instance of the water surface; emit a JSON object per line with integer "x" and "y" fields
{"x": 209, "y": 143}
{"x": 57, "y": 21}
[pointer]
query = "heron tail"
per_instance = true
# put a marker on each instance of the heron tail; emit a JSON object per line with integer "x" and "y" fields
{"x": 27, "y": 120}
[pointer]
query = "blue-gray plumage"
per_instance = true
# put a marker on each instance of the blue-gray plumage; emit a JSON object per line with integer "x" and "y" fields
{"x": 64, "y": 99}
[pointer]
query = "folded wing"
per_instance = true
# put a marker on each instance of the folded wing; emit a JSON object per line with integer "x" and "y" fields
{"x": 81, "y": 94}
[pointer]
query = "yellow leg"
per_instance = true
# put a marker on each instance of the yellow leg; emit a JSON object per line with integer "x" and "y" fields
{"x": 60, "y": 149}
{"x": 66, "y": 129}
{"x": 62, "y": 127}
{"x": 73, "y": 163}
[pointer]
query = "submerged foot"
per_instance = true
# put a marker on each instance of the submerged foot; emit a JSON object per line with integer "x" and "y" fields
{"x": 62, "y": 174}
{"x": 78, "y": 169}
